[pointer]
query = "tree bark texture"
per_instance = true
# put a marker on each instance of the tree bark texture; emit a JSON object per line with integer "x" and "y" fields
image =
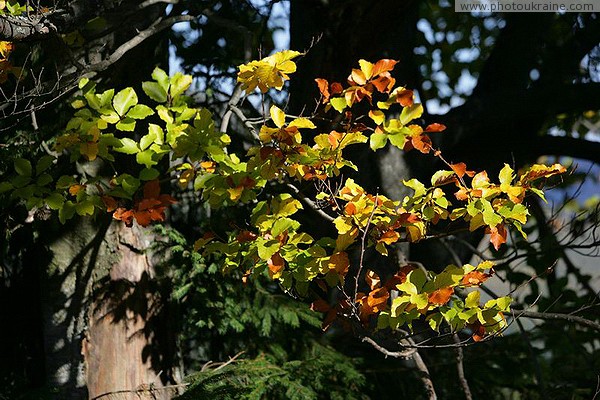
{"x": 101, "y": 314}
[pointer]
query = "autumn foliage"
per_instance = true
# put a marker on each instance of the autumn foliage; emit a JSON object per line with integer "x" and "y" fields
{"x": 168, "y": 141}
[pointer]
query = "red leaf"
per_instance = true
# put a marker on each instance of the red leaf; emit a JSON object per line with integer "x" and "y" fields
{"x": 152, "y": 189}
{"x": 110, "y": 203}
{"x": 336, "y": 88}
{"x": 145, "y": 204}
{"x": 435, "y": 127}
{"x": 320, "y": 305}
{"x": 245, "y": 236}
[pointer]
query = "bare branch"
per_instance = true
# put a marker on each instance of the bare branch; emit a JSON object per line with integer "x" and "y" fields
{"x": 305, "y": 200}
{"x": 557, "y": 316}
{"x": 461, "y": 369}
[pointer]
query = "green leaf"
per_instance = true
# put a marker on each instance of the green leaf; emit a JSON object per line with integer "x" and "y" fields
{"x": 84, "y": 208}
{"x": 378, "y": 140}
{"x": 472, "y": 300}
{"x": 129, "y": 183}
{"x": 109, "y": 116}
{"x": 5, "y": 187}
{"x": 161, "y": 78}
{"x": 267, "y": 249}
{"x": 44, "y": 179}
{"x": 410, "y": 113}
{"x": 140, "y": 111}
{"x": 339, "y": 103}
{"x": 155, "y": 91}
{"x": 126, "y": 125}
{"x": 129, "y": 146}
{"x": 66, "y": 212}
{"x": 43, "y": 164}
{"x": 124, "y": 100}
{"x": 282, "y": 225}
{"x": 54, "y": 201}
{"x": 179, "y": 84}
{"x": 415, "y": 185}
{"x": 64, "y": 182}
{"x": 148, "y": 139}
{"x": 489, "y": 216}
{"x": 148, "y": 174}
{"x": 23, "y": 166}
{"x": 147, "y": 158}
{"x": 158, "y": 133}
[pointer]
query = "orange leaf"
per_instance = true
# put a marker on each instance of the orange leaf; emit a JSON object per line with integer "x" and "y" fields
{"x": 440, "y": 296}
{"x": 74, "y": 189}
{"x": 421, "y": 143}
{"x": 350, "y": 208}
{"x": 474, "y": 278}
{"x": 459, "y": 168}
{"x": 122, "y": 214}
{"x": 498, "y": 233}
{"x": 339, "y": 262}
{"x": 276, "y": 264}
{"x": 378, "y": 298}
{"x": 323, "y": 88}
{"x": 384, "y": 65}
{"x": 384, "y": 83}
{"x": 334, "y": 138}
{"x": 478, "y": 331}
{"x": 435, "y": 127}
{"x": 389, "y": 237}
{"x": 405, "y": 98}
{"x": 208, "y": 166}
{"x": 110, "y": 203}
{"x": 372, "y": 279}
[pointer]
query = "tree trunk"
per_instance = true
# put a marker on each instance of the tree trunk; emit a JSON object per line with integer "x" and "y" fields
{"x": 101, "y": 314}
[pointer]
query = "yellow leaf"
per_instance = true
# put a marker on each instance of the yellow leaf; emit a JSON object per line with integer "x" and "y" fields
{"x": 235, "y": 193}
{"x": 472, "y": 300}
{"x": 89, "y": 150}
{"x": 302, "y": 123}
{"x": 377, "y": 116}
{"x": 367, "y": 68}
{"x": 278, "y": 116}
{"x": 6, "y": 48}
{"x": 185, "y": 178}
{"x": 270, "y": 72}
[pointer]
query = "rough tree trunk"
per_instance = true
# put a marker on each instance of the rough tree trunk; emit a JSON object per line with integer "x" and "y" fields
{"x": 101, "y": 315}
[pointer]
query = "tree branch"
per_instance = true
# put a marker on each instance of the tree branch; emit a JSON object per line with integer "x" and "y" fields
{"x": 557, "y": 316}
{"x": 461, "y": 369}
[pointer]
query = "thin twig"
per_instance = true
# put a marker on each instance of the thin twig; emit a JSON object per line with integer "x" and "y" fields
{"x": 461, "y": 369}
{"x": 556, "y": 316}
